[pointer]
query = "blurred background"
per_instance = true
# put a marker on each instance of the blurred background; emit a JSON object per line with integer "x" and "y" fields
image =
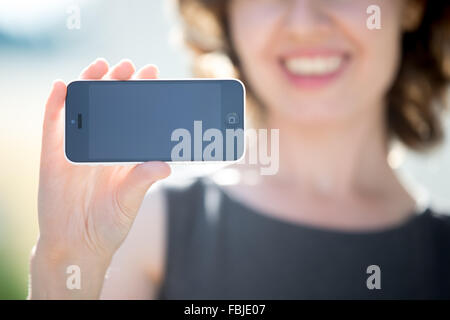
{"x": 55, "y": 39}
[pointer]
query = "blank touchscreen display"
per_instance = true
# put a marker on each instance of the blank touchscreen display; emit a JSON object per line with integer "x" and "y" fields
{"x": 137, "y": 120}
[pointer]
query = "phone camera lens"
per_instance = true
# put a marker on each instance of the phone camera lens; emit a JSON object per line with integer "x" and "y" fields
{"x": 232, "y": 118}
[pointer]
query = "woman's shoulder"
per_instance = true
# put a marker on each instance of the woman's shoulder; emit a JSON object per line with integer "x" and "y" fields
{"x": 440, "y": 236}
{"x": 440, "y": 218}
{"x": 438, "y": 233}
{"x": 440, "y": 223}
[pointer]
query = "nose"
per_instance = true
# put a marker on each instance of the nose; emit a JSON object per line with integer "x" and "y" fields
{"x": 306, "y": 18}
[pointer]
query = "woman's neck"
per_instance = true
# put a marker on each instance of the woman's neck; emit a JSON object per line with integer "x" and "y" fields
{"x": 333, "y": 158}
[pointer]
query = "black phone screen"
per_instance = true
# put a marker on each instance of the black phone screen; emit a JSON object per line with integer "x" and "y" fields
{"x": 142, "y": 120}
{"x": 147, "y": 115}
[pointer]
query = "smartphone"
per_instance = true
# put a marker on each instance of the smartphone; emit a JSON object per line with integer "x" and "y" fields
{"x": 134, "y": 121}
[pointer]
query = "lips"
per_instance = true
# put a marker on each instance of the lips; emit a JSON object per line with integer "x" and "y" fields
{"x": 314, "y": 69}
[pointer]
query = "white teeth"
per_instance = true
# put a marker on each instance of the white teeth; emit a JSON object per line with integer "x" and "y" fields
{"x": 313, "y": 66}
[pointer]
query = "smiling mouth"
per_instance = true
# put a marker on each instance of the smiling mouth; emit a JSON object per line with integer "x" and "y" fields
{"x": 313, "y": 71}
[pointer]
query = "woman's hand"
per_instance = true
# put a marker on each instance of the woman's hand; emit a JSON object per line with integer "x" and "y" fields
{"x": 85, "y": 212}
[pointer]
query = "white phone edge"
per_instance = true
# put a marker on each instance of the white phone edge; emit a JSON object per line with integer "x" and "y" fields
{"x": 127, "y": 163}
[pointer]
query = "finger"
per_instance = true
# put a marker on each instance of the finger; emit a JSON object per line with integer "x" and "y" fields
{"x": 54, "y": 105}
{"x": 132, "y": 189}
{"x": 52, "y": 133}
{"x": 150, "y": 71}
{"x": 122, "y": 71}
{"x": 95, "y": 70}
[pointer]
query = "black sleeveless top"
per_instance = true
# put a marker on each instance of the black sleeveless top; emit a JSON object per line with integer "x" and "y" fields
{"x": 219, "y": 248}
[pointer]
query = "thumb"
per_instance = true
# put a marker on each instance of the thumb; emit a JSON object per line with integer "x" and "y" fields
{"x": 134, "y": 186}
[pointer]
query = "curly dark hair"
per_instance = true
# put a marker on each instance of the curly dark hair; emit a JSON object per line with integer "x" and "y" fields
{"x": 417, "y": 97}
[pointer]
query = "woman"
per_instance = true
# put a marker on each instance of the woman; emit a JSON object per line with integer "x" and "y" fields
{"x": 333, "y": 222}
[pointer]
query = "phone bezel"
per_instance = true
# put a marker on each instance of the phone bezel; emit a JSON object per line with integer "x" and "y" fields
{"x": 227, "y": 107}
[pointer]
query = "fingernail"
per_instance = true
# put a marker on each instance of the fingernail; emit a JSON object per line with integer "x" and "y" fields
{"x": 157, "y": 70}
{"x": 56, "y": 81}
{"x": 97, "y": 61}
{"x": 125, "y": 60}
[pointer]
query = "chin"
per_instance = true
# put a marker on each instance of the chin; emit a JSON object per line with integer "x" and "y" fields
{"x": 315, "y": 114}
